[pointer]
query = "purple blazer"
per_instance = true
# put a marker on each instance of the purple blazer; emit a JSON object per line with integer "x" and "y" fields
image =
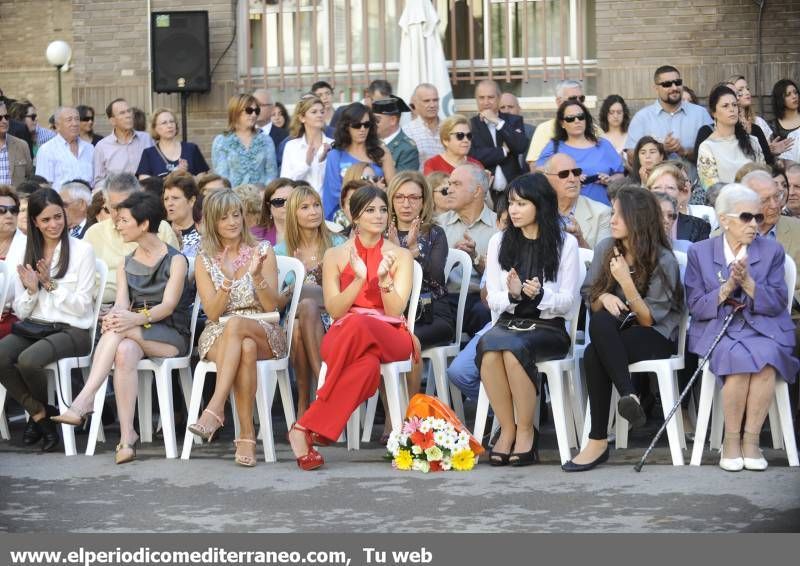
{"x": 766, "y": 314}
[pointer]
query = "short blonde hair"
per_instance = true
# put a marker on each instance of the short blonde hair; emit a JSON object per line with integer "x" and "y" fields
{"x": 215, "y": 206}
{"x": 156, "y": 114}
{"x": 237, "y": 105}
{"x": 449, "y": 124}
{"x": 665, "y": 169}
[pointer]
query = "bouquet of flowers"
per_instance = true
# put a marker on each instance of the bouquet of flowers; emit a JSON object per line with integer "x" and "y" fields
{"x": 430, "y": 444}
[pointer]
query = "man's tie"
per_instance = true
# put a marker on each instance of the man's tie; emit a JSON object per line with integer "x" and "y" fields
{"x": 75, "y": 231}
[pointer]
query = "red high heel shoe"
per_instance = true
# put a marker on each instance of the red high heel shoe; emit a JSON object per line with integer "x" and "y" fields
{"x": 320, "y": 440}
{"x": 312, "y": 459}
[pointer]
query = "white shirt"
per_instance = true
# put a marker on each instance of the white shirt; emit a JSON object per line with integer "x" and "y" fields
{"x": 500, "y": 181}
{"x": 72, "y": 300}
{"x": 295, "y": 167}
{"x": 267, "y": 128}
{"x": 729, "y": 257}
{"x": 558, "y": 297}
{"x": 56, "y": 162}
{"x": 427, "y": 140}
{"x": 14, "y": 257}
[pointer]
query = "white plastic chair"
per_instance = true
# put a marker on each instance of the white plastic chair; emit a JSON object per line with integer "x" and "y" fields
{"x": 555, "y": 371}
{"x": 666, "y": 372}
{"x": 393, "y": 380}
{"x": 5, "y": 283}
{"x": 577, "y": 386}
{"x": 62, "y": 369}
{"x": 780, "y": 413}
{"x": 270, "y": 372}
{"x": 439, "y": 355}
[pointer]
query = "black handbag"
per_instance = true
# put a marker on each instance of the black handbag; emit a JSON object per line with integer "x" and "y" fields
{"x": 33, "y": 329}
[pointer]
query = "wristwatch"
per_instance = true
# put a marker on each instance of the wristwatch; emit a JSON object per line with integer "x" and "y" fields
{"x": 51, "y": 286}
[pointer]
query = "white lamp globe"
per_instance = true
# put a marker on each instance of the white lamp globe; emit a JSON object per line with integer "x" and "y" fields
{"x": 58, "y": 53}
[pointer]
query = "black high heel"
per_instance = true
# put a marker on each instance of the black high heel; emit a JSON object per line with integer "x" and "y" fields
{"x": 49, "y": 430}
{"x": 498, "y": 459}
{"x": 32, "y": 433}
{"x": 528, "y": 458}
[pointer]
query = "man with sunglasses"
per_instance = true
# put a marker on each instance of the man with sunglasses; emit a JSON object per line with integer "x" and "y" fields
{"x": 586, "y": 219}
{"x": 15, "y": 156}
{"x": 121, "y": 150}
{"x": 498, "y": 139}
{"x": 387, "y": 121}
{"x": 670, "y": 119}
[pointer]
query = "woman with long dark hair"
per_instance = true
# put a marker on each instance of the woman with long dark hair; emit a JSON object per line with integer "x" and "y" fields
{"x": 53, "y": 291}
{"x": 597, "y": 158}
{"x": 366, "y": 283}
{"x": 648, "y": 153}
{"x": 532, "y": 281}
{"x": 634, "y": 290}
{"x": 786, "y": 108}
{"x": 729, "y": 147}
{"x": 356, "y": 140}
{"x": 615, "y": 117}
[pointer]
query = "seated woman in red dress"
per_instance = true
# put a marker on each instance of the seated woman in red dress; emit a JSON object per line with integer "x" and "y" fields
{"x": 366, "y": 283}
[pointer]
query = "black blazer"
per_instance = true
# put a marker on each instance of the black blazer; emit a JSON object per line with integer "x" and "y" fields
{"x": 692, "y": 228}
{"x": 484, "y": 149}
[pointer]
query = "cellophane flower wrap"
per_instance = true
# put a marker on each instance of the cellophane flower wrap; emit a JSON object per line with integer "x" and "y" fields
{"x": 430, "y": 445}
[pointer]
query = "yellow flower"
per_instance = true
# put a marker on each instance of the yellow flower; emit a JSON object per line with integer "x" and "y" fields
{"x": 403, "y": 460}
{"x": 463, "y": 460}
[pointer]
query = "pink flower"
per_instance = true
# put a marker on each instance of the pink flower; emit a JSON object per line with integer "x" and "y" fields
{"x": 411, "y": 426}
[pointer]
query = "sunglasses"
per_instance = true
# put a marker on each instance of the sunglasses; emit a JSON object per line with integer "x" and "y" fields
{"x": 87, "y": 119}
{"x": 444, "y": 191}
{"x": 580, "y": 117}
{"x": 13, "y": 210}
{"x": 253, "y": 110}
{"x": 667, "y": 84}
{"x": 371, "y": 178}
{"x": 672, "y": 215}
{"x": 361, "y": 125}
{"x": 565, "y": 173}
{"x": 748, "y": 217}
{"x": 32, "y": 116}
{"x": 6, "y": 117}
{"x": 278, "y": 202}
{"x": 580, "y": 98}
{"x": 461, "y": 135}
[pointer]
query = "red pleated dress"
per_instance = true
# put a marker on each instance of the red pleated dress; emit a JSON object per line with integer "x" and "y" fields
{"x": 353, "y": 350}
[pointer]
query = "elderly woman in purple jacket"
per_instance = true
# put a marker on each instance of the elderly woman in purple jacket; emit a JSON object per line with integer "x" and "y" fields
{"x": 757, "y": 347}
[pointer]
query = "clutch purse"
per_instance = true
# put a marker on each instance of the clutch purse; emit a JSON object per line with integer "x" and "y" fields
{"x": 33, "y": 329}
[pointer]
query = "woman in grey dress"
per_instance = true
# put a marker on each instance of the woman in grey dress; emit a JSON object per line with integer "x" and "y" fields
{"x": 150, "y": 317}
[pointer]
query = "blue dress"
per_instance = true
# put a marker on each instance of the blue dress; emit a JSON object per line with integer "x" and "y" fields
{"x": 240, "y": 164}
{"x": 336, "y": 165}
{"x": 602, "y": 158}
{"x": 155, "y": 164}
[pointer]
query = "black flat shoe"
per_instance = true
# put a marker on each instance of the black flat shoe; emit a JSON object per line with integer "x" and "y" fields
{"x": 49, "y": 430}
{"x": 520, "y": 459}
{"x": 631, "y": 410}
{"x": 573, "y": 467}
{"x": 32, "y": 433}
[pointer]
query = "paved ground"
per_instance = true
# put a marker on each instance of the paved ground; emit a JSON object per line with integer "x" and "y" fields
{"x": 359, "y": 492}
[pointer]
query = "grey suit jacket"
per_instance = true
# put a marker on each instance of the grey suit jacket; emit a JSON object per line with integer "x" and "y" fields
{"x": 594, "y": 218}
{"x": 19, "y": 160}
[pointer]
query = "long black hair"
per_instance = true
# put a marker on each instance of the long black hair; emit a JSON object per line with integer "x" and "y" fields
{"x": 779, "y": 97}
{"x": 742, "y": 137}
{"x": 354, "y": 114}
{"x": 560, "y": 134}
{"x": 610, "y": 101}
{"x": 535, "y": 188}
{"x": 34, "y": 248}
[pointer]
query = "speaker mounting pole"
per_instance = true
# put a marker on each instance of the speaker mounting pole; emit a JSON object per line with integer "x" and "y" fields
{"x": 184, "y": 100}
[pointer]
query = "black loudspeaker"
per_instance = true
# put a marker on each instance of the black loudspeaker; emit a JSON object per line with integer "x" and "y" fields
{"x": 180, "y": 52}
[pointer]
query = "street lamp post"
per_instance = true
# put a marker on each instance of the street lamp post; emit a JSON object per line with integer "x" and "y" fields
{"x": 58, "y": 54}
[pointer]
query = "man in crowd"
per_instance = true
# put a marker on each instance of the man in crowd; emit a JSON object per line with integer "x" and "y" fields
{"x": 586, "y": 219}
{"x": 264, "y": 120}
{"x": 498, "y": 139}
{"x": 785, "y": 229}
{"x": 66, "y": 156}
{"x": 15, "y": 156}
{"x": 565, "y": 90}
{"x": 387, "y": 120}
{"x": 121, "y": 150}
{"x": 77, "y": 197}
{"x": 106, "y": 241}
{"x": 377, "y": 90}
{"x": 469, "y": 224}
{"x": 670, "y": 119}
{"x": 793, "y": 197}
{"x": 509, "y": 104}
{"x": 424, "y": 129}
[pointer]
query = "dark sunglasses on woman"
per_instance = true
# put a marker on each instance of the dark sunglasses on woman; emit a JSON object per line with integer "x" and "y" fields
{"x": 277, "y": 202}
{"x": 253, "y": 110}
{"x": 580, "y": 117}
{"x": 360, "y": 125}
{"x": 461, "y": 135}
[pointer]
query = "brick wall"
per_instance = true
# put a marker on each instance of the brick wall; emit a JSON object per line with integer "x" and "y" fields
{"x": 708, "y": 40}
{"x": 26, "y": 29}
